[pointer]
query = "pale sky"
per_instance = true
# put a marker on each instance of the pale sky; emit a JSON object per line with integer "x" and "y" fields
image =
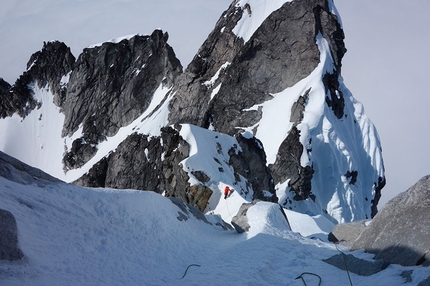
{"x": 386, "y": 66}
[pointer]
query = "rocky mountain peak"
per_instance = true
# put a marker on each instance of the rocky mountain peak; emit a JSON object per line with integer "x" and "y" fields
{"x": 111, "y": 85}
{"x": 263, "y": 100}
{"x": 45, "y": 69}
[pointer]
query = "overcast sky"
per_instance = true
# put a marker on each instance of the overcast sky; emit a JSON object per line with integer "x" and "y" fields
{"x": 386, "y": 66}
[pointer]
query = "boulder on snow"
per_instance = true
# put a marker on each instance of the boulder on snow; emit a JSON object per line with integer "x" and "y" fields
{"x": 347, "y": 233}
{"x": 9, "y": 249}
{"x": 271, "y": 216}
{"x": 399, "y": 233}
{"x": 240, "y": 220}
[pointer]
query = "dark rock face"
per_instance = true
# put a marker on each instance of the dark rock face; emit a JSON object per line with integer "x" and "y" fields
{"x": 4, "y": 86}
{"x": 280, "y": 53}
{"x": 46, "y": 68}
{"x": 251, "y": 164}
{"x": 192, "y": 94}
{"x": 9, "y": 249}
{"x": 347, "y": 233}
{"x": 288, "y": 166}
{"x": 110, "y": 86}
{"x": 148, "y": 163}
{"x": 153, "y": 163}
{"x": 399, "y": 232}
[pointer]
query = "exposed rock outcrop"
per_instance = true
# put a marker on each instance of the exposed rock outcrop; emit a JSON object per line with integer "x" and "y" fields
{"x": 154, "y": 163}
{"x": 111, "y": 86}
{"x": 281, "y": 52}
{"x": 9, "y": 249}
{"x": 4, "y": 86}
{"x": 347, "y": 233}
{"x": 399, "y": 232}
{"x": 240, "y": 221}
{"x": 251, "y": 164}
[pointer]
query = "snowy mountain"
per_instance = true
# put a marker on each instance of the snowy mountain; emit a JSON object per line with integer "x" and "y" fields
{"x": 262, "y": 108}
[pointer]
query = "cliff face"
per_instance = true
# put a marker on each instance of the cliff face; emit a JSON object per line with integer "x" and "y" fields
{"x": 294, "y": 52}
{"x": 111, "y": 86}
{"x": 267, "y": 81}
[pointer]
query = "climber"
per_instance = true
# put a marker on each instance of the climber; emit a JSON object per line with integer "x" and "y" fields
{"x": 227, "y": 192}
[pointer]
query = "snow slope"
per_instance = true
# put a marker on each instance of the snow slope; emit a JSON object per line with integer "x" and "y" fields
{"x": 79, "y": 236}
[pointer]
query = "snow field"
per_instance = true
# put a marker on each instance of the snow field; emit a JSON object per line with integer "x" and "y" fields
{"x": 80, "y": 236}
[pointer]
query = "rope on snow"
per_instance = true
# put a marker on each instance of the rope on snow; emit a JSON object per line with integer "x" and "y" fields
{"x": 344, "y": 262}
{"x": 189, "y": 267}
{"x": 308, "y": 273}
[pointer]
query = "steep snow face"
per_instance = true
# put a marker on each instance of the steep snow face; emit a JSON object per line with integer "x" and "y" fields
{"x": 36, "y": 139}
{"x": 332, "y": 146}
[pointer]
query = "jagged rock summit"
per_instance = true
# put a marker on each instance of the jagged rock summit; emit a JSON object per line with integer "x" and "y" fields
{"x": 262, "y": 108}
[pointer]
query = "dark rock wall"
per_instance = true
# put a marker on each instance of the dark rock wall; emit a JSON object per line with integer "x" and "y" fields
{"x": 111, "y": 86}
{"x": 281, "y": 52}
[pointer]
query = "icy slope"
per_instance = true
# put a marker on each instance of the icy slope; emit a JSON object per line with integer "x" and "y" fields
{"x": 73, "y": 235}
{"x": 332, "y": 146}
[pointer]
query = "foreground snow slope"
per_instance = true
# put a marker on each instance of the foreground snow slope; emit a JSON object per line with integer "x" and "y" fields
{"x": 78, "y": 236}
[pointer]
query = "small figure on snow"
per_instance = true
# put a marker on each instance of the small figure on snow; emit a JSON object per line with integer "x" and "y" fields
{"x": 227, "y": 192}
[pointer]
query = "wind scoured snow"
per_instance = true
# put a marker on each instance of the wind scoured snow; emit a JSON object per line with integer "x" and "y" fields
{"x": 81, "y": 236}
{"x": 36, "y": 139}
